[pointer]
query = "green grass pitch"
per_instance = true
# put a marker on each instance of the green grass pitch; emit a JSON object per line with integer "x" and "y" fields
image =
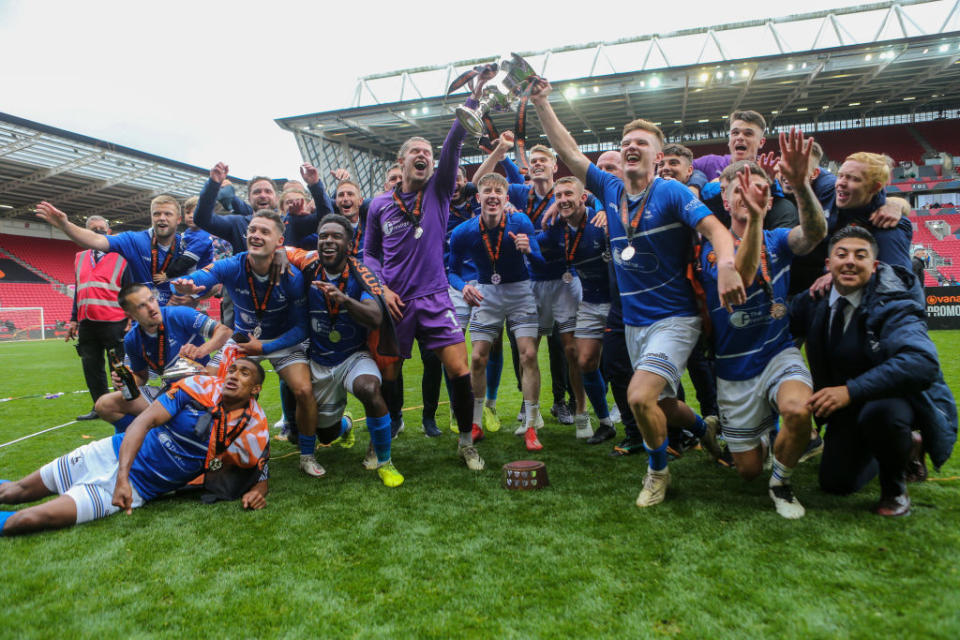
{"x": 452, "y": 554}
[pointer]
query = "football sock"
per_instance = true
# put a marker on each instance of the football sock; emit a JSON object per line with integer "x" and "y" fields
{"x": 379, "y": 429}
{"x": 494, "y": 370}
{"x": 699, "y": 427}
{"x": 781, "y": 473}
{"x": 532, "y": 410}
{"x": 120, "y": 426}
{"x": 462, "y": 401}
{"x": 3, "y": 519}
{"x": 595, "y": 388}
{"x": 478, "y": 411}
{"x": 658, "y": 456}
{"x": 288, "y": 404}
{"x": 345, "y": 425}
{"x": 308, "y": 444}
{"x": 393, "y": 395}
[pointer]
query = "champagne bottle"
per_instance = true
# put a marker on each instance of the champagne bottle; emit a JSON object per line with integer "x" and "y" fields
{"x": 128, "y": 384}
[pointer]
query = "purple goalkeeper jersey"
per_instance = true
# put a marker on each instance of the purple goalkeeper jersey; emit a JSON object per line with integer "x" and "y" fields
{"x": 712, "y": 165}
{"x": 414, "y": 267}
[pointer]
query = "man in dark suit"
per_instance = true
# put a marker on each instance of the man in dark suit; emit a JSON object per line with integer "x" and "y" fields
{"x": 875, "y": 371}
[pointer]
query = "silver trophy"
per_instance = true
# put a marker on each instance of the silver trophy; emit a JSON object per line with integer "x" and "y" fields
{"x": 181, "y": 368}
{"x": 502, "y": 93}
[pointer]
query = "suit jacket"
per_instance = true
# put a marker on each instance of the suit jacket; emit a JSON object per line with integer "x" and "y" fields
{"x": 903, "y": 358}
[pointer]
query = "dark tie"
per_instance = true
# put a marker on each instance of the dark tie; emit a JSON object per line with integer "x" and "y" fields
{"x": 836, "y": 325}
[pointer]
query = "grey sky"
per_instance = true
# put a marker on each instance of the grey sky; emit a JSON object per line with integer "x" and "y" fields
{"x": 201, "y": 82}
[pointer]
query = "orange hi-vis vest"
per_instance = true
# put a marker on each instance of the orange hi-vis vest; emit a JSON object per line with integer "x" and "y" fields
{"x": 98, "y": 283}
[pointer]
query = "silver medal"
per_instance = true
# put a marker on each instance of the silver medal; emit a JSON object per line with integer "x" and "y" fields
{"x": 628, "y": 253}
{"x": 257, "y": 330}
{"x": 567, "y": 277}
{"x": 418, "y": 233}
{"x": 495, "y": 278}
{"x": 606, "y": 255}
{"x": 215, "y": 464}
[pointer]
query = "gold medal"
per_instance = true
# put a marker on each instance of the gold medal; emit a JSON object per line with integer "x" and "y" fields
{"x": 778, "y": 311}
{"x": 334, "y": 336}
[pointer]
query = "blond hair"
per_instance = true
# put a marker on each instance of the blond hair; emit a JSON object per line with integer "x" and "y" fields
{"x": 497, "y": 179}
{"x": 877, "y": 170}
{"x": 164, "y": 199}
{"x": 544, "y": 150}
{"x": 644, "y": 125}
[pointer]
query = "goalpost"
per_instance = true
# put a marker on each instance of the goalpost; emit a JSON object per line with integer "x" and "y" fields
{"x": 22, "y": 323}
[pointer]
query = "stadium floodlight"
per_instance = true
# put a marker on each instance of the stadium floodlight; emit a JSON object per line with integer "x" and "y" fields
{"x": 654, "y": 82}
{"x": 570, "y": 93}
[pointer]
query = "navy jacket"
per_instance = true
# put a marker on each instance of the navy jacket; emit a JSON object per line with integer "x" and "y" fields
{"x": 904, "y": 359}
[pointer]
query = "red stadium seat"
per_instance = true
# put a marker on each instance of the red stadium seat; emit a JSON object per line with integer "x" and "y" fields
{"x": 53, "y": 257}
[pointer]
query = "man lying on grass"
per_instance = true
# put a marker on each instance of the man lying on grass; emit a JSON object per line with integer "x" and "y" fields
{"x": 204, "y": 425}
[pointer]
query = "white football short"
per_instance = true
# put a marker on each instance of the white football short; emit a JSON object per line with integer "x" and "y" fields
{"x": 663, "y": 348}
{"x": 464, "y": 310}
{"x": 748, "y": 408}
{"x": 592, "y": 320}
{"x": 331, "y": 384}
{"x": 557, "y": 302}
{"x": 88, "y": 475}
{"x": 510, "y": 302}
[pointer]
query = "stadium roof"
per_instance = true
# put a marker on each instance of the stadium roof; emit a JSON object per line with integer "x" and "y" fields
{"x": 85, "y": 176}
{"x": 827, "y": 69}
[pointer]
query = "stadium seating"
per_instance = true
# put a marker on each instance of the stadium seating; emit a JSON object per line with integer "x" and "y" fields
{"x": 942, "y": 134}
{"x": 56, "y": 306}
{"x": 53, "y": 257}
{"x": 893, "y": 140}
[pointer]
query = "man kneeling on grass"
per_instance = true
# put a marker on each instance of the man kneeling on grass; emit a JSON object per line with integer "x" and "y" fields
{"x": 204, "y": 425}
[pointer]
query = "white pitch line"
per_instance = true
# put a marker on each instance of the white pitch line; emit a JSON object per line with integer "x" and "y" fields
{"x": 7, "y": 444}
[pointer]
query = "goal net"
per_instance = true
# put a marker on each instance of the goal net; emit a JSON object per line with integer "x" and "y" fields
{"x": 22, "y": 323}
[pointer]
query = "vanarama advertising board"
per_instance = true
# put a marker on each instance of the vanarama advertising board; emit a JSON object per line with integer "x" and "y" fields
{"x": 943, "y": 307}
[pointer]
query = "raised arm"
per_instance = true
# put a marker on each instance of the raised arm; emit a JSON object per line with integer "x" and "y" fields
{"x": 514, "y": 175}
{"x": 560, "y": 139}
{"x": 219, "y": 226}
{"x": 729, "y": 283}
{"x": 321, "y": 200}
{"x": 794, "y": 164}
{"x": 83, "y": 237}
{"x": 755, "y": 197}
{"x": 498, "y": 155}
